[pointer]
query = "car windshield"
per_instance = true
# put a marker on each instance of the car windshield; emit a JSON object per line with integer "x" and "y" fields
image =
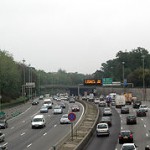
{"x": 143, "y": 106}
{"x": 102, "y": 126}
{"x": 37, "y": 119}
{"x": 132, "y": 117}
{"x": 57, "y": 107}
{"x": 125, "y": 133}
{"x": 128, "y": 147}
{"x": 105, "y": 119}
{"x": 65, "y": 116}
{"x": 2, "y": 121}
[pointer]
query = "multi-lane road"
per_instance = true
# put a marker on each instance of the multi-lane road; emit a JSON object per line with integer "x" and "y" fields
{"x": 20, "y": 136}
{"x": 140, "y": 131}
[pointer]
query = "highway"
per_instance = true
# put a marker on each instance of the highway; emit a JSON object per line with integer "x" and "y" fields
{"x": 140, "y": 131}
{"x": 20, "y": 136}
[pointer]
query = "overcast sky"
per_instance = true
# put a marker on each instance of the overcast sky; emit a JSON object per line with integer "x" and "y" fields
{"x": 73, "y": 35}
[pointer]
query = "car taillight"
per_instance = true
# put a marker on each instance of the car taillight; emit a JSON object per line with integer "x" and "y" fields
{"x": 131, "y": 136}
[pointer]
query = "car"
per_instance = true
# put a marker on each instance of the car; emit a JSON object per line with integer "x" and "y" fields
{"x": 102, "y": 104}
{"x": 144, "y": 107}
{"x": 124, "y": 110}
{"x": 4, "y": 146}
{"x": 64, "y": 119}
{"x": 71, "y": 100}
{"x": 107, "y": 111}
{"x": 2, "y": 137}
{"x": 102, "y": 129}
{"x": 129, "y": 146}
{"x": 44, "y": 109}
{"x": 38, "y": 121}
{"x": 96, "y": 100}
{"x": 106, "y": 119}
{"x": 41, "y": 97}
{"x": 131, "y": 119}
{"x": 137, "y": 103}
{"x": 141, "y": 112}
{"x": 58, "y": 109}
{"x": 63, "y": 105}
{"x": 125, "y": 136}
{"x": 75, "y": 108}
{"x": 35, "y": 102}
{"x": 48, "y": 103}
{"x": 3, "y": 124}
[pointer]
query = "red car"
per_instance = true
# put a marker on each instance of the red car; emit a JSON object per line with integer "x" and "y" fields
{"x": 75, "y": 108}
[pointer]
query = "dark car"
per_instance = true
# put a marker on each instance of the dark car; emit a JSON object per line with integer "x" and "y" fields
{"x": 3, "y": 124}
{"x": 35, "y": 102}
{"x": 131, "y": 119}
{"x": 125, "y": 110}
{"x": 75, "y": 108}
{"x": 63, "y": 105}
{"x": 141, "y": 113}
{"x": 107, "y": 120}
{"x": 125, "y": 136}
{"x": 136, "y": 104}
{"x": 71, "y": 100}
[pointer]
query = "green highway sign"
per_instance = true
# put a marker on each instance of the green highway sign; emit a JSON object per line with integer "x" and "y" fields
{"x": 107, "y": 81}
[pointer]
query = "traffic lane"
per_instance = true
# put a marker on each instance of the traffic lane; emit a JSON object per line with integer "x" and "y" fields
{"x": 108, "y": 142}
{"x": 56, "y": 134}
{"x": 23, "y": 139}
{"x": 139, "y": 130}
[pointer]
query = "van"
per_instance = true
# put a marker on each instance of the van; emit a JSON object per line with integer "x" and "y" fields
{"x": 48, "y": 103}
{"x": 38, "y": 121}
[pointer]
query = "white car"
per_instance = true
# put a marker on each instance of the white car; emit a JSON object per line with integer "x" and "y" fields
{"x": 107, "y": 111}
{"x": 58, "y": 109}
{"x": 96, "y": 100}
{"x": 64, "y": 119}
{"x": 129, "y": 146}
{"x": 102, "y": 129}
{"x": 144, "y": 107}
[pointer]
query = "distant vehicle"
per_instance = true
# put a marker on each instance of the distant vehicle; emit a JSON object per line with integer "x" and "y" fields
{"x": 2, "y": 137}
{"x": 124, "y": 110}
{"x": 4, "y": 146}
{"x": 128, "y": 146}
{"x": 44, "y": 109}
{"x": 58, "y": 109}
{"x": 38, "y": 121}
{"x": 107, "y": 111}
{"x": 137, "y": 103}
{"x": 64, "y": 119}
{"x": 91, "y": 97}
{"x": 63, "y": 105}
{"x": 102, "y": 129}
{"x": 128, "y": 98}
{"x": 144, "y": 107}
{"x": 96, "y": 100}
{"x": 35, "y": 102}
{"x": 131, "y": 119}
{"x": 3, "y": 124}
{"x": 125, "y": 136}
{"x": 141, "y": 112}
{"x": 106, "y": 119}
{"x": 102, "y": 104}
{"x": 48, "y": 103}
{"x": 120, "y": 101}
{"x": 75, "y": 108}
{"x": 41, "y": 97}
{"x": 71, "y": 100}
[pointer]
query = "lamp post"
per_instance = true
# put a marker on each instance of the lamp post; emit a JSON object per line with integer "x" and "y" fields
{"x": 23, "y": 92}
{"x": 29, "y": 81}
{"x": 123, "y": 75}
{"x": 143, "y": 56}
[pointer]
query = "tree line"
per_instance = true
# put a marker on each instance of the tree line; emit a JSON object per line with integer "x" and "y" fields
{"x": 134, "y": 66}
{"x": 13, "y": 75}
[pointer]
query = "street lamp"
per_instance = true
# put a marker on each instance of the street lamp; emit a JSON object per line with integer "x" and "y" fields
{"x": 143, "y": 56}
{"x": 23, "y": 92}
{"x": 29, "y": 81}
{"x": 123, "y": 74}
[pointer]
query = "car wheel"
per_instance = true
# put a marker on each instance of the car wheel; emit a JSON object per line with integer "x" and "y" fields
{"x": 120, "y": 142}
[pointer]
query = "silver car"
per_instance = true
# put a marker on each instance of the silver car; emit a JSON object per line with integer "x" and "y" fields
{"x": 44, "y": 109}
{"x": 64, "y": 119}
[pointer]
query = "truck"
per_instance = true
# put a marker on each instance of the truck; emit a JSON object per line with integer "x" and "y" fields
{"x": 120, "y": 101}
{"x": 128, "y": 98}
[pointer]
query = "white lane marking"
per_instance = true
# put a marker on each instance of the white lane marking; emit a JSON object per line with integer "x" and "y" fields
{"x": 22, "y": 133}
{"x": 121, "y": 121}
{"x": 12, "y": 127}
{"x": 49, "y": 115}
{"x": 55, "y": 125}
{"x": 44, "y": 134}
{"x": 144, "y": 125}
{"x": 146, "y": 134}
{"x": 121, "y": 128}
{"x": 142, "y": 119}
{"x": 23, "y": 121}
{"x": 29, "y": 145}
